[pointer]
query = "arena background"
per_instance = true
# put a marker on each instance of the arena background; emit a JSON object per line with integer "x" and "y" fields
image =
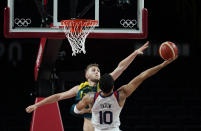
{"x": 168, "y": 101}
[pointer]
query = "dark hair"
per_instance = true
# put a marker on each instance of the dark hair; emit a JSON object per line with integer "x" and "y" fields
{"x": 106, "y": 83}
{"x": 89, "y": 66}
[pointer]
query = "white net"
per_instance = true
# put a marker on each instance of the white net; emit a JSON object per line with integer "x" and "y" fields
{"x": 77, "y": 31}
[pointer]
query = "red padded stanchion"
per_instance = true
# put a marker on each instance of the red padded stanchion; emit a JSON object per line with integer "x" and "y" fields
{"x": 39, "y": 56}
{"x": 46, "y": 118}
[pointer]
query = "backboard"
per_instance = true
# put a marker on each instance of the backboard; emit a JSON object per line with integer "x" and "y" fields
{"x": 117, "y": 19}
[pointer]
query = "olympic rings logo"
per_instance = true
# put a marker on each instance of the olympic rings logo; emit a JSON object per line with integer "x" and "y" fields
{"x": 22, "y": 22}
{"x": 128, "y": 23}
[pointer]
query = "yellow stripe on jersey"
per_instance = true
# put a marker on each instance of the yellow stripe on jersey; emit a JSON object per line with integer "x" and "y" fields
{"x": 98, "y": 89}
{"x": 81, "y": 94}
{"x": 82, "y": 85}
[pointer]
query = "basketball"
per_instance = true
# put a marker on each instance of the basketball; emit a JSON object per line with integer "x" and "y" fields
{"x": 168, "y": 50}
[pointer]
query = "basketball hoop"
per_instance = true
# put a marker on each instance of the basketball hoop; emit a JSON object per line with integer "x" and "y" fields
{"x": 76, "y": 31}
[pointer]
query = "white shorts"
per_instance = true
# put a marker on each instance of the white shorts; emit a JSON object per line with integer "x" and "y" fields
{"x": 111, "y": 129}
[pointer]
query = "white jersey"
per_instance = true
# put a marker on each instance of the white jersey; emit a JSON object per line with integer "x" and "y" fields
{"x": 106, "y": 111}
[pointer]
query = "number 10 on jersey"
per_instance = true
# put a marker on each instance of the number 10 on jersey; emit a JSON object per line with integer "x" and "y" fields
{"x": 106, "y": 117}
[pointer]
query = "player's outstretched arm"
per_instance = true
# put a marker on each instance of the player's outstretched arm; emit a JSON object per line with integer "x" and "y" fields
{"x": 128, "y": 89}
{"x": 54, "y": 98}
{"x": 127, "y": 61}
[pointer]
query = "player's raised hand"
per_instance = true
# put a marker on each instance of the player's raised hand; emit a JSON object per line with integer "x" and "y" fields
{"x": 166, "y": 62}
{"x": 142, "y": 48}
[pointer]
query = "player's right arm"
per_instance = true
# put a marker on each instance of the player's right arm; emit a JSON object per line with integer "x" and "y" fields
{"x": 126, "y": 90}
{"x": 54, "y": 98}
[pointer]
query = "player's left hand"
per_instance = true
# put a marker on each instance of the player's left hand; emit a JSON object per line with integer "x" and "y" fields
{"x": 142, "y": 48}
{"x": 86, "y": 110}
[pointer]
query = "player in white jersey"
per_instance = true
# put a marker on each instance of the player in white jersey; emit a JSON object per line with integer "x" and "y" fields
{"x": 106, "y": 110}
{"x": 106, "y": 105}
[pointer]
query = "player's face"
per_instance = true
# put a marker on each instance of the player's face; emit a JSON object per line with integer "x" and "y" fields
{"x": 93, "y": 74}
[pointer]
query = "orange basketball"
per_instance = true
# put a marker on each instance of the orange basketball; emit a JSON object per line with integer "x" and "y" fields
{"x": 168, "y": 50}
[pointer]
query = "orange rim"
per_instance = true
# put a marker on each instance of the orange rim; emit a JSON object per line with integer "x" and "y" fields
{"x": 79, "y": 24}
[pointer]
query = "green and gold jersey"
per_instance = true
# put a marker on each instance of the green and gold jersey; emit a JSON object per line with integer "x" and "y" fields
{"x": 82, "y": 91}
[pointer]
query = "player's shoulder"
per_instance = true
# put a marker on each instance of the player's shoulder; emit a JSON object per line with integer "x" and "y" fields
{"x": 122, "y": 91}
{"x": 121, "y": 88}
{"x": 75, "y": 88}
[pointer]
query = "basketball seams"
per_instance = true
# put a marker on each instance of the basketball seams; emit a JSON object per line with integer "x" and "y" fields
{"x": 170, "y": 46}
{"x": 161, "y": 50}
